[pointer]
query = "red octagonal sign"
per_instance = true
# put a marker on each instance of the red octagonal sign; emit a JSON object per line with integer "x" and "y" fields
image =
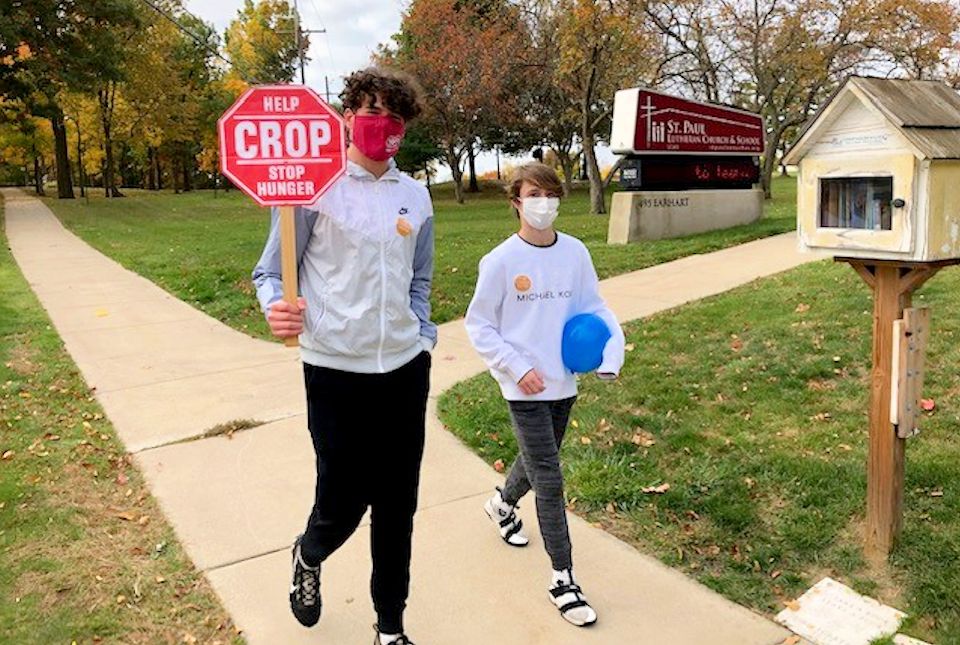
{"x": 282, "y": 144}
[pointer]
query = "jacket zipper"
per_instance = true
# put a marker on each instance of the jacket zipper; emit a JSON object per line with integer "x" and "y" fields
{"x": 383, "y": 277}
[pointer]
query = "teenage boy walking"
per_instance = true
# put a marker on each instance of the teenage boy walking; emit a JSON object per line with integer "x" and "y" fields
{"x": 365, "y": 253}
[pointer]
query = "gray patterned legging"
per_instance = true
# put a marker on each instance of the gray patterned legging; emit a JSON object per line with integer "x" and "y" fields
{"x": 540, "y": 426}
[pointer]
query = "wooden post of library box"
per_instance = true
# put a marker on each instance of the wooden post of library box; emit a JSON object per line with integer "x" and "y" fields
{"x": 879, "y": 189}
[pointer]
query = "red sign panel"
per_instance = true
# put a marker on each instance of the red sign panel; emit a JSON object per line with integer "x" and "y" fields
{"x": 282, "y": 145}
{"x": 667, "y": 124}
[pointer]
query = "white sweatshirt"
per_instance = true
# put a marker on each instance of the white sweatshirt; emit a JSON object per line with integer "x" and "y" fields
{"x": 525, "y": 294}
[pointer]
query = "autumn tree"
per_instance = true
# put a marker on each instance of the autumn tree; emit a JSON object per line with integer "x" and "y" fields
{"x": 71, "y": 45}
{"x": 260, "y": 43}
{"x": 462, "y": 52}
{"x": 547, "y": 115}
{"x": 604, "y": 46}
{"x": 918, "y": 38}
{"x": 693, "y": 55}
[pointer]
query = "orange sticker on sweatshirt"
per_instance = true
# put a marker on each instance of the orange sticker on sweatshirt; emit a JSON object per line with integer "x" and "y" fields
{"x": 404, "y": 227}
{"x": 522, "y": 283}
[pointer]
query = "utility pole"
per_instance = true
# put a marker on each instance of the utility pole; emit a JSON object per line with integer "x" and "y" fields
{"x": 326, "y": 82}
{"x": 299, "y": 34}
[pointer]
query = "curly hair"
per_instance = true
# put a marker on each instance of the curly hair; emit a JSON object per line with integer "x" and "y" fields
{"x": 399, "y": 91}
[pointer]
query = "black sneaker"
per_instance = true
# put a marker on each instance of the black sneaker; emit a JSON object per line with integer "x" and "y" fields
{"x": 400, "y": 640}
{"x": 305, "y": 589}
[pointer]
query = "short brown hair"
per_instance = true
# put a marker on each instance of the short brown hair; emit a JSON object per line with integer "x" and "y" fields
{"x": 399, "y": 92}
{"x": 538, "y": 174}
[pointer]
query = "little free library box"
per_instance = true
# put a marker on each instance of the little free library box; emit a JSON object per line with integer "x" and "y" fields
{"x": 879, "y": 188}
{"x": 879, "y": 172}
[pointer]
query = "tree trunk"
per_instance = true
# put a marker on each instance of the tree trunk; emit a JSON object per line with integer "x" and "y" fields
{"x": 109, "y": 176}
{"x": 37, "y": 176}
{"x": 106, "y": 97}
{"x": 61, "y": 152}
{"x": 187, "y": 169}
{"x": 175, "y": 173}
{"x": 151, "y": 168}
{"x": 770, "y": 162}
{"x": 566, "y": 164}
{"x": 597, "y": 204}
{"x": 426, "y": 172}
{"x": 472, "y": 160}
{"x": 453, "y": 160}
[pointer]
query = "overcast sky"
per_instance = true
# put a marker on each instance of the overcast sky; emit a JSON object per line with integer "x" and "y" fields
{"x": 354, "y": 29}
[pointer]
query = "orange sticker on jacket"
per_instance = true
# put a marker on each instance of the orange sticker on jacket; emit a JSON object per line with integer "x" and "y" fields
{"x": 522, "y": 283}
{"x": 404, "y": 227}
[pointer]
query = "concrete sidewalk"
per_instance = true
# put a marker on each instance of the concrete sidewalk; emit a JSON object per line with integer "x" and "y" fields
{"x": 165, "y": 373}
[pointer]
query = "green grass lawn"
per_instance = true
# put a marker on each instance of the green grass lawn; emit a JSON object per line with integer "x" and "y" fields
{"x": 85, "y": 553}
{"x": 752, "y": 406}
{"x": 202, "y": 249}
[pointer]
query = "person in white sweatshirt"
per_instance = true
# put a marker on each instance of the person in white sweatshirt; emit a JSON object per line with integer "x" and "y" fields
{"x": 528, "y": 288}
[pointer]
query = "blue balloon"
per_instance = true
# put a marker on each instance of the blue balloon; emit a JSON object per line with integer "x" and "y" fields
{"x": 584, "y": 337}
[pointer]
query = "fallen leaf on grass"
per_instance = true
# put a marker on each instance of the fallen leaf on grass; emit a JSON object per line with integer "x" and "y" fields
{"x": 499, "y": 466}
{"x": 776, "y": 574}
{"x": 574, "y": 424}
{"x": 121, "y": 599}
{"x": 643, "y": 439}
{"x": 129, "y": 517}
{"x": 656, "y": 490}
{"x": 801, "y": 308}
{"x": 144, "y": 520}
{"x": 7, "y": 455}
{"x": 792, "y": 605}
{"x": 121, "y": 479}
{"x": 629, "y": 347}
{"x": 936, "y": 493}
{"x": 928, "y": 405}
{"x": 160, "y": 580}
{"x": 585, "y": 441}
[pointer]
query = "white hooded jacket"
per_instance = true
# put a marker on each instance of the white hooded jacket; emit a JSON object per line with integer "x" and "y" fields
{"x": 365, "y": 255}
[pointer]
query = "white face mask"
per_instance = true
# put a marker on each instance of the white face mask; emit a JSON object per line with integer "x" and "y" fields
{"x": 540, "y": 212}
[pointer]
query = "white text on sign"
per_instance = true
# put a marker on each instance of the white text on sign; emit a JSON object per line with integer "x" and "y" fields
{"x": 280, "y": 103}
{"x": 275, "y": 140}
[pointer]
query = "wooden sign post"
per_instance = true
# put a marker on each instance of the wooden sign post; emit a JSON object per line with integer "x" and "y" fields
{"x": 288, "y": 261}
{"x": 283, "y": 146}
{"x": 893, "y": 284}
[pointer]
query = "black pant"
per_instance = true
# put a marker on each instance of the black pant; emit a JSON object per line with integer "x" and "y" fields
{"x": 368, "y": 432}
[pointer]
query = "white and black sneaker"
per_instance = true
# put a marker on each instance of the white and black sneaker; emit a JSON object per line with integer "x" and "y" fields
{"x": 567, "y": 596}
{"x": 505, "y": 516}
{"x": 305, "y": 589}
{"x": 399, "y": 640}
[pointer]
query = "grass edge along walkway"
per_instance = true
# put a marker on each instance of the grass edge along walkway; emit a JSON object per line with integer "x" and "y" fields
{"x": 85, "y": 552}
{"x": 733, "y": 448}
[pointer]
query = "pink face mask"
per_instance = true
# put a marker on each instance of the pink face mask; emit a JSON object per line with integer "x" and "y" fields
{"x": 377, "y": 136}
